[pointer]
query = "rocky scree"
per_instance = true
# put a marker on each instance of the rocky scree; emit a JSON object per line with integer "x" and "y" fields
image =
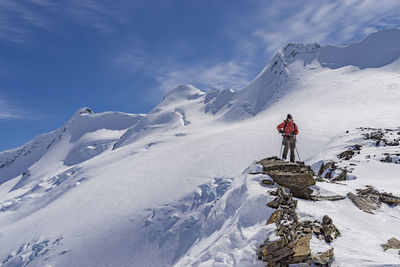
{"x": 370, "y": 199}
{"x": 293, "y": 244}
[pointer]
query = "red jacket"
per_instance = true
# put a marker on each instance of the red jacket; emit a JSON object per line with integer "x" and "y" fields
{"x": 290, "y": 127}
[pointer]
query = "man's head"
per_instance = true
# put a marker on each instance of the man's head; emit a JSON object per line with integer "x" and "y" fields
{"x": 289, "y": 117}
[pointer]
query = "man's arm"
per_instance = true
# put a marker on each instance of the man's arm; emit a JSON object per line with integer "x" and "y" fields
{"x": 280, "y": 126}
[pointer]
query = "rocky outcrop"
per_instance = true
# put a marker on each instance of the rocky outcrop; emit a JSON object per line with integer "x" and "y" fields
{"x": 380, "y": 136}
{"x": 392, "y": 243}
{"x": 364, "y": 203}
{"x": 297, "y": 177}
{"x": 349, "y": 153}
{"x": 322, "y": 258}
{"x": 293, "y": 245}
{"x": 332, "y": 172}
{"x": 370, "y": 199}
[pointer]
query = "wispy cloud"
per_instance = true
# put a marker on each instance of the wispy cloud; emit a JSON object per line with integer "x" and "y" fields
{"x": 325, "y": 21}
{"x": 219, "y": 75}
{"x": 8, "y": 110}
{"x": 19, "y": 19}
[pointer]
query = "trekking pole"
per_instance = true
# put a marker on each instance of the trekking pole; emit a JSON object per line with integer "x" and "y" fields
{"x": 295, "y": 146}
{"x": 280, "y": 153}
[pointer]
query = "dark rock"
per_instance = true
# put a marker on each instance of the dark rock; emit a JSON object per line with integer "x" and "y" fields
{"x": 392, "y": 243}
{"x": 330, "y": 198}
{"x": 370, "y": 199}
{"x": 297, "y": 177}
{"x": 329, "y": 168}
{"x": 274, "y": 251}
{"x": 274, "y": 217}
{"x": 293, "y": 245}
{"x": 322, "y": 258}
{"x": 346, "y": 155}
{"x": 267, "y": 182}
{"x": 328, "y": 229}
{"x": 389, "y": 199}
{"x": 363, "y": 203}
{"x": 273, "y": 204}
{"x": 301, "y": 192}
{"x": 287, "y": 179}
{"x": 326, "y": 220}
{"x": 341, "y": 177}
{"x": 301, "y": 249}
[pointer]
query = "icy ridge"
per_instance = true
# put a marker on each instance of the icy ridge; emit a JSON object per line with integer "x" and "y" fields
{"x": 268, "y": 86}
{"x": 15, "y": 162}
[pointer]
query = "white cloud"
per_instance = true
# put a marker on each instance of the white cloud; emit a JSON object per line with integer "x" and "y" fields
{"x": 219, "y": 75}
{"x": 18, "y": 19}
{"x": 324, "y": 21}
{"x": 8, "y": 111}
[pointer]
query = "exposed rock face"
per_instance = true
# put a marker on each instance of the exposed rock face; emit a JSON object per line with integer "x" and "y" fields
{"x": 323, "y": 258}
{"x": 348, "y": 154}
{"x": 363, "y": 203}
{"x": 295, "y": 176}
{"x": 331, "y": 171}
{"x": 380, "y": 136}
{"x": 293, "y": 245}
{"x": 392, "y": 243}
{"x": 370, "y": 199}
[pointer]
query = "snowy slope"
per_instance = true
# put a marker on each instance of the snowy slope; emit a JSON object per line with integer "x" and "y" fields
{"x": 172, "y": 187}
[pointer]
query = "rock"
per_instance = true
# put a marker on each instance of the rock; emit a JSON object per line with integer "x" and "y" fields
{"x": 346, "y": 155}
{"x": 375, "y": 196}
{"x": 290, "y": 178}
{"x": 273, "y": 204}
{"x": 363, "y": 203}
{"x": 275, "y": 164}
{"x": 322, "y": 258}
{"x": 301, "y": 192}
{"x": 301, "y": 249}
{"x": 295, "y": 176}
{"x": 274, "y": 217}
{"x": 316, "y": 230}
{"x": 392, "y": 243}
{"x": 329, "y": 168}
{"x": 267, "y": 182}
{"x": 293, "y": 245}
{"x": 330, "y": 198}
{"x": 341, "y": 177}
{"x": 326, "y": 220}
{"x": 274, "y": 251}
{"x": 328, "y": 230}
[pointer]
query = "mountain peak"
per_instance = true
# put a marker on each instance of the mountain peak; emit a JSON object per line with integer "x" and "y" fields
{"x": 83, "y": 112}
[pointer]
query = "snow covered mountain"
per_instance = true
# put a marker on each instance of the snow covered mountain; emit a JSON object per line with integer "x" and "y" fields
{"x": 172, "y": 187}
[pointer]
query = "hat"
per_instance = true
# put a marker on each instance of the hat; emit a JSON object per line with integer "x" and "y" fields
{"x": 289, "y": 116}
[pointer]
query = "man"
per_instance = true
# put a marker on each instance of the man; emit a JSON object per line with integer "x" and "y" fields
{"x": 289, "y": 131}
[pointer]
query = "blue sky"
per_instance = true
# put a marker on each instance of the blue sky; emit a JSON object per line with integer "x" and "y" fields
{"x": 58, "y": 56}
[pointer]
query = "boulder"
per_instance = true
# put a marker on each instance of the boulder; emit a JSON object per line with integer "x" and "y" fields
{"x": 267, "y": 182}
{"x": 274, "y": 217}
{"x": 363, "y": 203}
{"x": 322, "y": 258}
{"x": 330, "y": 198}
{"x": 295, "y": 176}
{"x": 301, "y": 249}
{"x": 392, "y": 243}
{"x": 292, "y": 178}
{"x": 274, "y": 251}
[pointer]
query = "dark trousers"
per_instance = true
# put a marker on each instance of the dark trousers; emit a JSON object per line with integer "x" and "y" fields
{"x": 289, "y": 143}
